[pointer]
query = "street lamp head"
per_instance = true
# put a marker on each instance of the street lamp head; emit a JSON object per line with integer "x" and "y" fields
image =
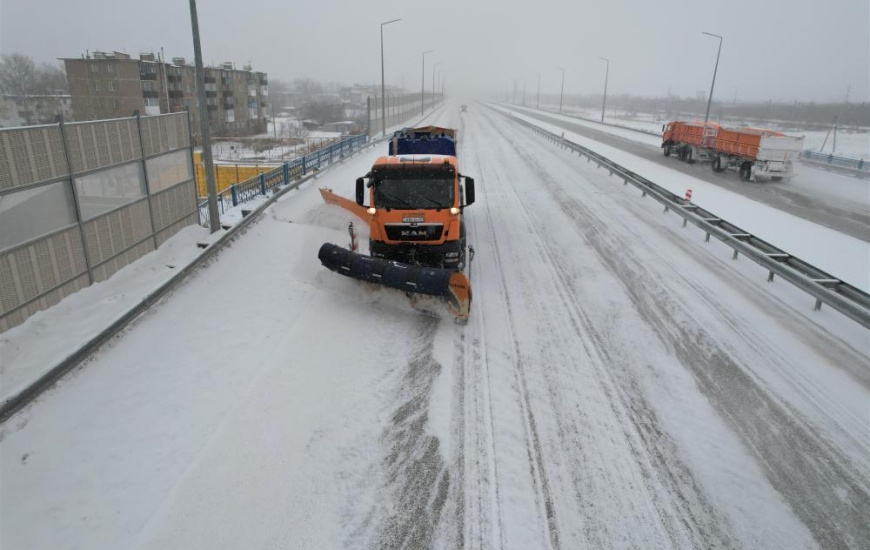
{"x": 561, "y": 69}
{"x": 711, "y": 34}
{"x": 428, "y": 51}
{"x": 604, "y": 59}
{"x": 390, "y": 21}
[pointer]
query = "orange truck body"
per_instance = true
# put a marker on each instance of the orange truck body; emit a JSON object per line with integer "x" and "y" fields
{"x": 383, "y": 218}
{"x": 694, "y": 133}
{"x": 750, "y": 151}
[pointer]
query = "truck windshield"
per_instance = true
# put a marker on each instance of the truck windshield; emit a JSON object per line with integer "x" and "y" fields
{"x": 417, "y": 190}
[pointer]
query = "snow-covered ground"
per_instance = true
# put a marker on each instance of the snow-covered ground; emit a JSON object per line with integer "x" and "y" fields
{"x": 621, "y": 384}
{"x": 843, "y": 256}
{"x": 851, "y": 142}
{"x": 837, "y": 201}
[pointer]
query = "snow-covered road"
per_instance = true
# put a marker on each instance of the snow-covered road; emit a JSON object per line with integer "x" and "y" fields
{"x": 621, "y": 384}
{"x": 837, "y": 201}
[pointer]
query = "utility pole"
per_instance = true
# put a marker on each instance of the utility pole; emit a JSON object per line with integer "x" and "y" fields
{"x": 208, "y": 163}
{"x": 538, "y": 104}
{"x": 383, "y": 86}
{"x": 606, "y": 75}
{"x": 715, "y": 70}
{"x": 435, "y": 66}
{"x": 562, "y": 93}
{"x": 524, "y": 92}
{"x": 423, "y": 84}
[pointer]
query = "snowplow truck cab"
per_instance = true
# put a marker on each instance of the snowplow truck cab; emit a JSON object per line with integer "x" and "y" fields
{"x": 415, "y": 202}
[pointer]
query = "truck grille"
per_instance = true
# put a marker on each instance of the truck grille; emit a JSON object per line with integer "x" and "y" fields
{"x": 414, "y": 232}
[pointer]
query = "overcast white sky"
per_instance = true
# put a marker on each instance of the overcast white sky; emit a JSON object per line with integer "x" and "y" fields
{"x": 773, "y": 49}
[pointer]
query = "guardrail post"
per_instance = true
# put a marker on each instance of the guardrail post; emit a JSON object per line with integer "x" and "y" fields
{"x": 286, "y": 173}
{"x": 304, "y": 164}
{"x": 262, "y": 184}
{"x": 235, "y": 194}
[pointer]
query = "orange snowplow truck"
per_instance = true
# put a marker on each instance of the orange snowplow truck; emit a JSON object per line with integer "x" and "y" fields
{"x": 413, "y": 201}
{"x": 751, "y": 152}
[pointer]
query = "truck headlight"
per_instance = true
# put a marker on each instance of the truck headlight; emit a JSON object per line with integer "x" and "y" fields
{"x": 454, "y": 211}
{"x": 372, "y": 211}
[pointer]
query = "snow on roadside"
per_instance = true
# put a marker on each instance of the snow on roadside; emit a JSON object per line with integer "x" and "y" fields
{"x": 49, "y": 336}
{"x": 843, "y": 256}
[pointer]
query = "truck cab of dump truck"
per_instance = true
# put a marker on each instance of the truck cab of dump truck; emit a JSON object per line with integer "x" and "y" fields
{"x": 415, "y": 205}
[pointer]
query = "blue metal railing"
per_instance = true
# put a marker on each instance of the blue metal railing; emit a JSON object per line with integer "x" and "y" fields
{"x": 858, "y": 165}
{"x": 263, "y": 184}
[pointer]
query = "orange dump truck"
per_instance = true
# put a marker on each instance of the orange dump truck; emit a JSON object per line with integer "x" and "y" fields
{"x": 752, "y": 152}
{"x": 413, "y": 201}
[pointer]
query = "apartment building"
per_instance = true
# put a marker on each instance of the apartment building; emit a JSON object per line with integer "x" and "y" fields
{"x": 111, "y": 85}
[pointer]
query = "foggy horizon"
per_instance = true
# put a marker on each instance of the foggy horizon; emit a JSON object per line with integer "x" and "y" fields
{"x": 784, "y": 52}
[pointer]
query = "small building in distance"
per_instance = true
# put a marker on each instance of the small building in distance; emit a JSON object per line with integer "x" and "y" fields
{"x": 112, "y": 85}
{"x": 31, "y": 109}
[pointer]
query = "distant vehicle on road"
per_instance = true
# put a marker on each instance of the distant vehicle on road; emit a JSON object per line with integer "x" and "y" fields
{"x": 464, "y": 108}
{"x": 751, "y": 151}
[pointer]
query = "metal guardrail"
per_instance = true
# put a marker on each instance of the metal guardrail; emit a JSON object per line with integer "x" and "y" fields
{"x": 860, "y": 166}
{"x": 262, "y": 184}
{"x": 824, "y": 287}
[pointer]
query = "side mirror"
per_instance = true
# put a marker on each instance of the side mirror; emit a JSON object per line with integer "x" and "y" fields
{"x": 469, "y": 191}
{"x": 360, "y": 191}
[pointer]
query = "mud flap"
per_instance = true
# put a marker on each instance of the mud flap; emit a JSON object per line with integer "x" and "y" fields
{"x": 449, "y": 284}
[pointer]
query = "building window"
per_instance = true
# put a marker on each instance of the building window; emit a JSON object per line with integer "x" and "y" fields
{"x": 96, "y": 86}
{"x": 115, "y": 105}
{"x": 110, "y": 86}
{"x": 94, "y": 68}
{"x": 110, "y": 68}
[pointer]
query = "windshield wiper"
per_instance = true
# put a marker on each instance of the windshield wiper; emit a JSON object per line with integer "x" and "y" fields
{"x": 395, "y": 198}
{"x": 430, "y": 200}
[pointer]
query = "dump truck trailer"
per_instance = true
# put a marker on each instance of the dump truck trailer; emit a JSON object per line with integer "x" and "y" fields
{"x": 413, "y": 200}
{"x": 752, "y": 152}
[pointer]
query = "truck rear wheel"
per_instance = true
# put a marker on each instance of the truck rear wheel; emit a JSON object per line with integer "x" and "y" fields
{"x": 717, "y": 165}
{"x": 776, "y": 178}
{"x": 689, "y": 153}
{"x": 746, "y": 171}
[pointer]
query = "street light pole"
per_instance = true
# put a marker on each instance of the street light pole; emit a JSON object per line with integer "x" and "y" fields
{"x": 606, "y": 74}
{"x": 207, "y": 161}
{"x": 435, "y": 66}
{"x": 383, "y": 86}
{"x": 423, "y": 84}
{"x": 562, "y": 93}
{"x": 539, "y": 92}
{"x": 715, "y": 70}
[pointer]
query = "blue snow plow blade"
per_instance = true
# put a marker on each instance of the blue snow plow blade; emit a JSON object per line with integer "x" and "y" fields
{"x": 410, "y": 278}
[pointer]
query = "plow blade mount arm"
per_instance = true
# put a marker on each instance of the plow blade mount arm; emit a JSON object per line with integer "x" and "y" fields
{"x": 452, "y": 285}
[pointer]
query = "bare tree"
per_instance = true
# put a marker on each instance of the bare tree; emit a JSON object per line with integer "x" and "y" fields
{"x": 51, "y": 78}
{"x": 18, "y": 78}
{"x": 18, "y": 74}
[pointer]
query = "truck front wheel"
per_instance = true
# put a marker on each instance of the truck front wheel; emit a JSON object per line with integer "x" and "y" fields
{"x": 667, "y": 149}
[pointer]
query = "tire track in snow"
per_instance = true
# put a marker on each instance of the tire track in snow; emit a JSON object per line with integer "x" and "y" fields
{"x": 483, "y": 510}
{"x": 418, "y": 480}
{"x": 655, "y": 453}
{"x": 808, "y": 480}
{"x": 533, "y": 444}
